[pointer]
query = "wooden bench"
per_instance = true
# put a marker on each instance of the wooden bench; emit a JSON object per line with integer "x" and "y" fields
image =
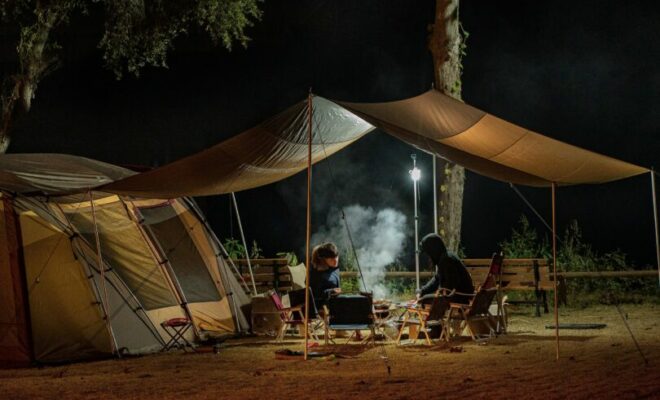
{"x": 269, "y": 273}
{"x": 531, "y": 274}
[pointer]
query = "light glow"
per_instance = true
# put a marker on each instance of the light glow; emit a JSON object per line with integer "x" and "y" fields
{"x": 415, "y": 174}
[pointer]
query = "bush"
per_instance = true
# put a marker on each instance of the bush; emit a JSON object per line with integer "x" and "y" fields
{"x": 574, "y": 255}
{"x": 236, "y": 250}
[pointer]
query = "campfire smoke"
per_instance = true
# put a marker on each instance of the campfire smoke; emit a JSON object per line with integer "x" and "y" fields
{"x": 378, "y": 237}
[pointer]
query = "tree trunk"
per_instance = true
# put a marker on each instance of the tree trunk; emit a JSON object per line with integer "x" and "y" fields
{"x": 18, "y": 90}
{"x": 445, "y": 44}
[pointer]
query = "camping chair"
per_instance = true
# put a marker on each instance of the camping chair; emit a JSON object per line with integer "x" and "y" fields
{"x": 350, "y": 312}
{"x": 494, "y": 279}
{"x": 297, "y": 298}
{"x": 428, "y": 313}
{"x": 477, "y": 310}
{"x": 494, "y": 276}
{"x": 291, "y": 316}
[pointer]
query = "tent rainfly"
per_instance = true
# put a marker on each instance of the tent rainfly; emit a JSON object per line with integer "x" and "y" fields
{"x": 61, "y": 301}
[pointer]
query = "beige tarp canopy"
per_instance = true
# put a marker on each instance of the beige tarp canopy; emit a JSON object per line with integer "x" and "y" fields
{"x": 433, "y": 122}
{"x": 267, "y": 153}
{"x": 489, "y": 145}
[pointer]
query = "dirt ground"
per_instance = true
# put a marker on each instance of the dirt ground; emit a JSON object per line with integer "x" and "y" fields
{"x": 594, "y": 364}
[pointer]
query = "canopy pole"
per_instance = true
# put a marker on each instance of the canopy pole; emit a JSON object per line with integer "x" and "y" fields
{"x": 554, "y": 264}
{"x": 309, "y": 215}
{"x": 435, "y": 196}
{"x": 247, "y": 253}
{"x": 104, "y": 289}
{"x": 414, "y": 160}
{"x": 655, "y": 222}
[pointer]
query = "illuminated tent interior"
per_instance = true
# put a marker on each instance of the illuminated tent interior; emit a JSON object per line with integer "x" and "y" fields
{"x": 160, "y": 262}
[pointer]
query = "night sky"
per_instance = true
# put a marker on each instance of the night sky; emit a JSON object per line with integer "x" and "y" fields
{"x": 585, "y": 72}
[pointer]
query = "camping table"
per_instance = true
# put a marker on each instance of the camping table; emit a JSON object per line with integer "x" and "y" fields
{"x": 176, "y": 328}
{"x": 401, "y": 308}
{"x": 389, "y": 317}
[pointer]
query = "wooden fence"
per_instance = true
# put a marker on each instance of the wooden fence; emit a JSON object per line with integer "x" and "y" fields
{"x": 269, "y": 273}
{"x": 566, "y": 275}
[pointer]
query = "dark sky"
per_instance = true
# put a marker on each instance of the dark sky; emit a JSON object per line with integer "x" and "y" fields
{"x": 582, "y": 72}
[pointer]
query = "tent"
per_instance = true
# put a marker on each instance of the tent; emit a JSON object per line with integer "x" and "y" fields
{"x": 160, "y": 261}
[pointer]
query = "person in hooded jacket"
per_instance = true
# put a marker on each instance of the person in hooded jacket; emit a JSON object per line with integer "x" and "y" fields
{"x": 450, "y": 273}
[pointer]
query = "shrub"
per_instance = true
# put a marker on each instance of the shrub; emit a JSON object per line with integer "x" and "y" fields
{"x": 574, "y": 255}
{"x": 236, "y": 250}
{"x": 290, "y": 256}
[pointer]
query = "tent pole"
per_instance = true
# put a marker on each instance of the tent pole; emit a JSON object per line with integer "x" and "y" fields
{"x": 554, "y": 264}
{"x": 435, "y": 196}
{"x": 309, "y": 214}
{"x": 247, "y": 253}
{"x": 222, "y": 252}
{"x": 655, "y": 222}
{"x": 104, "y": 300}
{"x": 414, "y": 160}
{"x": 168, "y": 270}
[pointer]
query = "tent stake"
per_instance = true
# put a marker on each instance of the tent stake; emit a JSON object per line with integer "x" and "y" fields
{"x": 655, "y": 222}
{"x": 309, "y": 214}
{"x": 554, "y": 264}
{"x": 104, "y": 300}
{"x": 247, "y": 253}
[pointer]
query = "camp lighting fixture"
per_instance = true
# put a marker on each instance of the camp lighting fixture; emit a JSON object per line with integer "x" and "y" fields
{"x": 415, "y": 174}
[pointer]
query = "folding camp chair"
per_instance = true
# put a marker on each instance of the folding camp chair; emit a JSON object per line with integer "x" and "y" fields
{"x": 429, "y": 312}
{"x": 176, "y": 328}
{"x": 297, "y": 298}
{"x": 477, "y": 310}
{"x": 291, "y": 316}
{"x": 494, "y": 279}
{"x": 350, "y": 312}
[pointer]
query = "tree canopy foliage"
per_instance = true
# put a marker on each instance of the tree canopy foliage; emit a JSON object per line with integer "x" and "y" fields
{"x": 135, "y": 34}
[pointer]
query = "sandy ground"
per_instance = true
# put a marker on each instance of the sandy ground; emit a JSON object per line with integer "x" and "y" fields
{"x": 594, "y": 364}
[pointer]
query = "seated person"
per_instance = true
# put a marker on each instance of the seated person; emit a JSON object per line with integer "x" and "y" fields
{"x": 450, "y": 273}
{"x": 324, "y": 275}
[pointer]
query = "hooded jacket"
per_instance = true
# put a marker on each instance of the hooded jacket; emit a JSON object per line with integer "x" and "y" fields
{"x": 450, "y": 273}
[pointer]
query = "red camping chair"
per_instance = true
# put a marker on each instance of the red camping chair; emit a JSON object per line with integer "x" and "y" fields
{"x": 494, "y": 280}
{"x": 494, "y": 276}
{"x": 291, "y": 316}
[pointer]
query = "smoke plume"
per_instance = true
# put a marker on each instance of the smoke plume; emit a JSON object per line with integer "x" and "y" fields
{"x": 378, "y": 239}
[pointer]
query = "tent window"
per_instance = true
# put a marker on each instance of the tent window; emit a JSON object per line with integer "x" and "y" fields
{"x": 182, "y": 253}
{"x": 124, "y": 248}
